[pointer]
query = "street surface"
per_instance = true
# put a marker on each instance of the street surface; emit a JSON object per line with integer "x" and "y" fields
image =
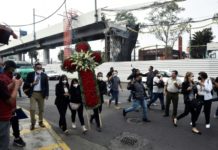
{"x": 130, "y": 133}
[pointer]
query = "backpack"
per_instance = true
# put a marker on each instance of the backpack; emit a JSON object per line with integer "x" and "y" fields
{"x": 160, "y": 84}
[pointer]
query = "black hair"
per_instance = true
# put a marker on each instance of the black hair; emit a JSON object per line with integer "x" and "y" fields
{"x": 156, "y": 72}
{"x": 175, "y": 71}
{"x": 151, "y": 67}
{"x": 216, "y": 80}
{"x": 9, "y": 64}
{"x": 62, "y": 77}
{"x": 99, "y": 73}
{"x": 37, "y": 63}
{"x": 74, "y": 80}
{"x": 203, "y": 74}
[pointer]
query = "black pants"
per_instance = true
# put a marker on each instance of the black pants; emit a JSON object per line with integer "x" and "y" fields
{"x": 174, "y": 97}
{"x": 207, "y": 109}
{"x": 80, "y": 114}
{"x": 96, "y": 115}
{"x": 62, "y": 109}
{"x": 15, "y": 126}
{"x": 190, "y": 109}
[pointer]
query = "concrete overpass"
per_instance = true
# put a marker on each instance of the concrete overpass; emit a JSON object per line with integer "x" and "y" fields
{"x": 85, "y": 28}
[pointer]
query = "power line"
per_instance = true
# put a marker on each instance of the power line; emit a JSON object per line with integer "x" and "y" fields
{"x": 30, "y": 24}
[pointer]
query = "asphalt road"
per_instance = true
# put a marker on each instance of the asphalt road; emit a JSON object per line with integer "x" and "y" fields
{"x": 159, "y": 133}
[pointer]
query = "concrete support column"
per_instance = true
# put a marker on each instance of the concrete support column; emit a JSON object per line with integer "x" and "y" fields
{"x": 20, "y": 57}
{"x": 46, "y": 56}
{"x": 107, "y": 47}
{"x": 24, "y": 59}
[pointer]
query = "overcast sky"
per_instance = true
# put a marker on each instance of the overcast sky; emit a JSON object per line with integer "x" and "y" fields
{"x": 19, "y": 12}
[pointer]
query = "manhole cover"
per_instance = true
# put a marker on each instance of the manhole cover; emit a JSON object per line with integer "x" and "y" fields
{"x": 131, "y": 141}
{"x": 134, "y": 120}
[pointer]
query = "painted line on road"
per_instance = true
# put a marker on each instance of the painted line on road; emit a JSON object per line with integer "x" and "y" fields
{"x": 59, "y": 142}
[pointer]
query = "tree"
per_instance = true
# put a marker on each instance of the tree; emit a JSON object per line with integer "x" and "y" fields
{"x": 199, "y": 43}
{"x": 126, "y": 17}
{"x": 61, "y": 55}
{"x": 33, "y": 55}
{"x": 166, "y": 25}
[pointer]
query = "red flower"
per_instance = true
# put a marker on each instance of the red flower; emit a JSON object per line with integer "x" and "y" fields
{"x": 68, "y": 65}
{"x": 82, "y": 46}
{"x": 97, "y": 56}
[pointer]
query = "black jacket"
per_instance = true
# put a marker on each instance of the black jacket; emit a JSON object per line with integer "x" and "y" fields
{"x": 75, "y": 95}
{"x": 59, "y": 92}
{"x": 44, "y": 83}
{"x": 102, "y": 89}
{"x": 185, "y": 92}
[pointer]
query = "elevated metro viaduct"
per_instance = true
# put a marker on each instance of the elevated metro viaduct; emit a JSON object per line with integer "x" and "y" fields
{"x": 119, "y": 41}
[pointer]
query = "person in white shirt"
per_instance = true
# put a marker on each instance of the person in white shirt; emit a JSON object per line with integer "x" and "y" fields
{"x": 158, "y": 89}
{"x": 204, "y": 94}
{"x": 172, "y": 93}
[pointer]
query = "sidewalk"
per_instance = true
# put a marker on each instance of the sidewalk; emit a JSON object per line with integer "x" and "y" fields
{"x": 38, "y": 139}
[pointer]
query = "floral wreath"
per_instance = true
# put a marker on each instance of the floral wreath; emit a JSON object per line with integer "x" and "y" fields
{"x": 84, "y": 59}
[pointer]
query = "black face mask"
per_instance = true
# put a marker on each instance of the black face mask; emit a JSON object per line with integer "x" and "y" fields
{"x": 199, "y": 78}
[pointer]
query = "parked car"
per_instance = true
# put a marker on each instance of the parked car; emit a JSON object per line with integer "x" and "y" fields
{"x": 23, "y": 68}
{"x": 52, "y": 75}
{"x": 166, "y": 74}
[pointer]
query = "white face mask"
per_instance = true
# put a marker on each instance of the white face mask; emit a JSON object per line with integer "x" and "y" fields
{"x": 39, "y": 71}
{"x": 100, "y": 78}
{"x": 75, "y": 85}
{"x": 115, "y": 74}
{"x": 64, "y": 81}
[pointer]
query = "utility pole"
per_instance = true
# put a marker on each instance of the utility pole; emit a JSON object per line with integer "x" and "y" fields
{"x": 34, "y": 23}
{"x": 156, "y": 51}
{"x": 96, "y": 11}
{"x": 190, "y": 40}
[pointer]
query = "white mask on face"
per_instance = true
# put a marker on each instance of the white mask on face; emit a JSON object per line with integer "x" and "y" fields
{"x": 64, "y": 81}
{"x": 39, "y": 71}
{"x": 75, "y": 85}
{"x": 100, "y": 78}
{"x": 115, "y": 74}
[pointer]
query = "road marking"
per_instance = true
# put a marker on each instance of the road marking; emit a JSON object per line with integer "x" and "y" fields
{"x": 59, "y": 142}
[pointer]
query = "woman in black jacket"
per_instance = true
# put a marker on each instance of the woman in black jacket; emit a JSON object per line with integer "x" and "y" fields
{"x": 62, "y": 101}
{"x": 103, "y": 90}
{"x": 189, "y": 91}
{"x": 76, "y": 104}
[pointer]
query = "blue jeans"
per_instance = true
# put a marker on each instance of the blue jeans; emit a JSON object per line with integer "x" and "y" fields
{"x": 4, "y": 135}
{"x": 155, "y": 97}
{"x": 115, "y": 95}
{"x": 136, "y": 104}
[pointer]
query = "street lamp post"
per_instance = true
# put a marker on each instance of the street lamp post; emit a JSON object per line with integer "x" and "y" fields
{"x": 96, "y": 11}
{"x": 190, "y": 38}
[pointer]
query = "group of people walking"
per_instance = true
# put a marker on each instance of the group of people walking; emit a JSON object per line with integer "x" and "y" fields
{"x": 196, "y": 94}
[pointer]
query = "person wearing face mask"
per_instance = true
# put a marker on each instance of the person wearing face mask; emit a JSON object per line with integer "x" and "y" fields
{"x": 39, "y": 91}
{"x": 189, "y": 91}
{"x": 204, "y": 88}
{"x": 103, "y": 90}
{"x": 62, "y": 101}
{"x": 139, "y": 97}
{"x": 158, "y": 88}
{"x": 9, "y": 88}
{"x": 76, "y": 98}
{"x": 115, "y": 84}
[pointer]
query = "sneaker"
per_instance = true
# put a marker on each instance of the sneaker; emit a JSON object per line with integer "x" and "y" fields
{"x": 32, "y": 127}
{"x": 190, "y": 123}
{"x": 66, "y": 132}
{"x": 207, "y": 126}
{"x": 84, "y": 129}
{"x": 175, "y": 122}
{"x": 19, "y": 142}
{"x": 117, "y": 107}
{"x": 73, "y": 125}
{"x": 124, "y": 113}
{"x": 215, "y": 116}
{"x": 41, "y": 124}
